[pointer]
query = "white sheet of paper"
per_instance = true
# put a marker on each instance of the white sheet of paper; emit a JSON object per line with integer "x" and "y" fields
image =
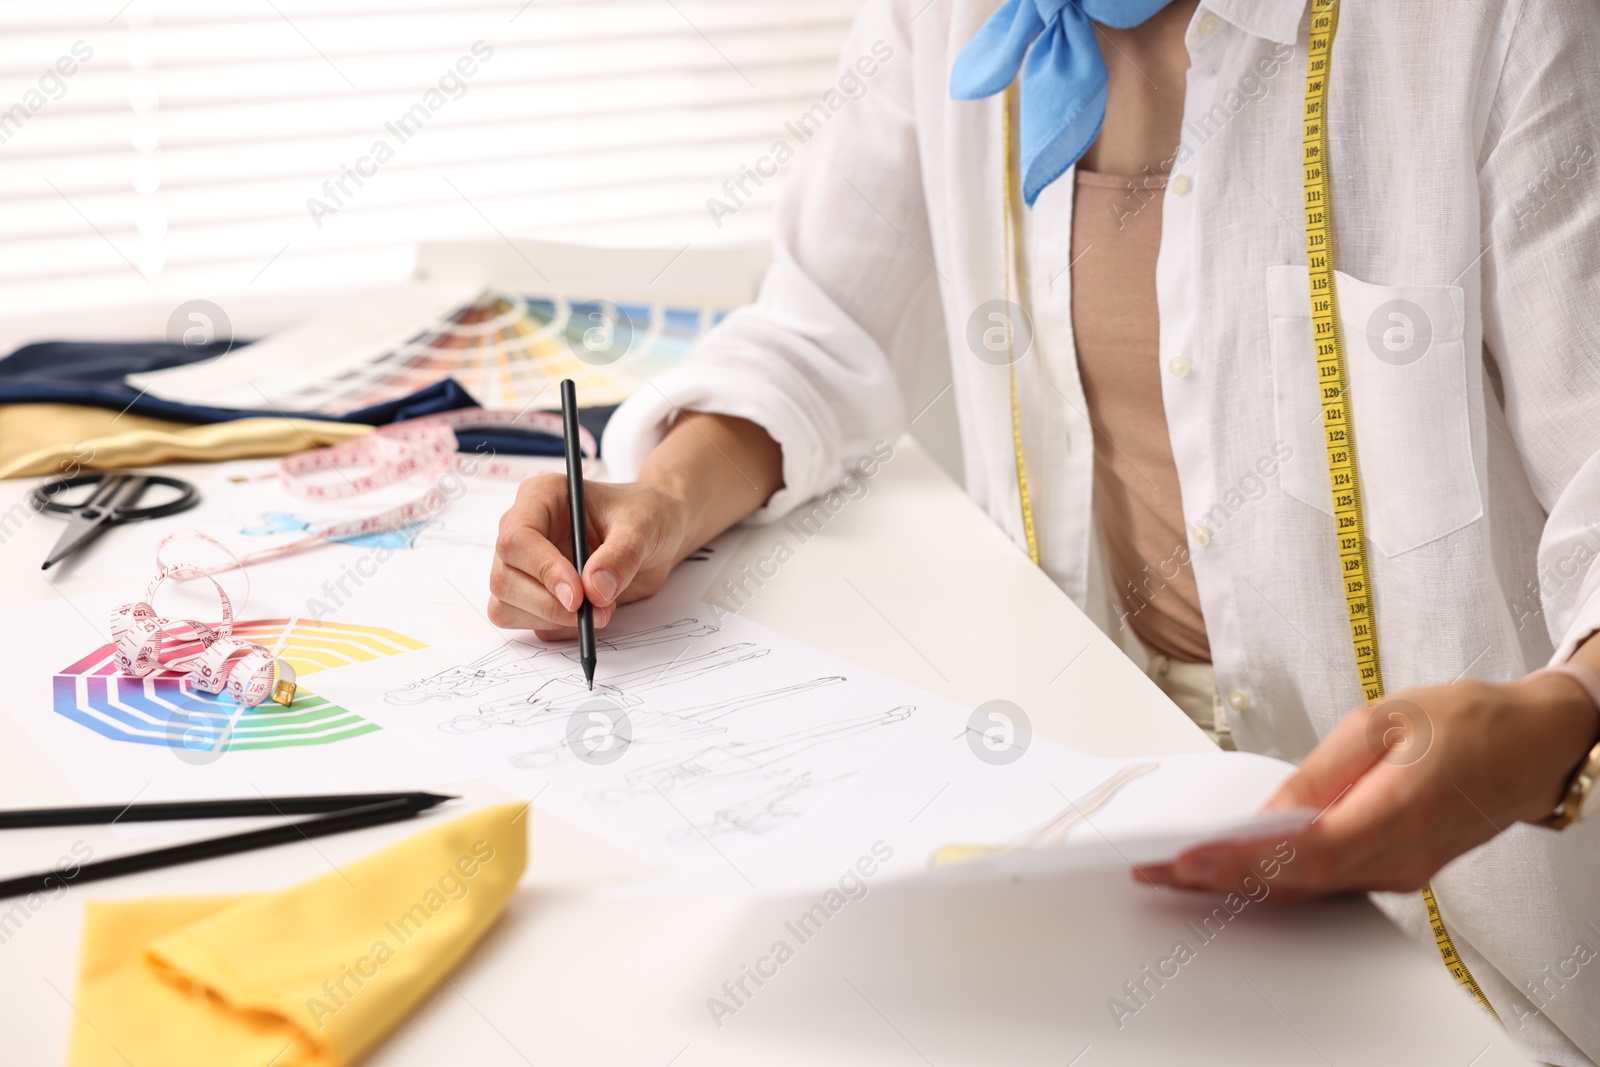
{"x": 719, "y": 751}
{"x": 247, "y": 508}
{"x": 119, "y": 739}
{"x": 734, "y": 757}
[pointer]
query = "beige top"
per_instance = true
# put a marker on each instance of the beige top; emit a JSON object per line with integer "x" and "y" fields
{"x": 1116, "y": 234}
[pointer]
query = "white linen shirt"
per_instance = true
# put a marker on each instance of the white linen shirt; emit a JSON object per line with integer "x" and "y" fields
{"x": 1464, "y": 151}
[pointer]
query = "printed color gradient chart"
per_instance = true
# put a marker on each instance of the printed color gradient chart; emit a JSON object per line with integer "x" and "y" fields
{"x": 164, "y": 709}
{"x": 507, "y": 350}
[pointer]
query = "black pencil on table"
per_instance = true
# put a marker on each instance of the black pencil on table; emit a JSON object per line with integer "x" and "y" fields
{"x": 580, "y": 531}
{"x": 163, "y": 811}
{"x": 350, "y": 819}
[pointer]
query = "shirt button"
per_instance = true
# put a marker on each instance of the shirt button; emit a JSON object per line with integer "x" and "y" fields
{"x": 1238, "y": 701}
{"x": 1179, "y": 367}
{"x": 1209, "y": 25}
{"x": 1182, "y": 184}
{"x": 1201, "y": 535}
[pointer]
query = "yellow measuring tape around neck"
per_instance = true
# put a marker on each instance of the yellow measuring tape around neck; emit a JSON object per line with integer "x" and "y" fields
{"x": 1008, "y": 222}
{"x": 1349, "y": 527}
{"x": 1338, "y": 431}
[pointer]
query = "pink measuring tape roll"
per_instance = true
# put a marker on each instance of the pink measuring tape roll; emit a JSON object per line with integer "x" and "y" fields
{"x": 210, "y": 655}
{"x": 424, "y": 447}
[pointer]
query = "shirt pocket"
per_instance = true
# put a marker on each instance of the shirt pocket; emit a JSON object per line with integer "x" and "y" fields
{"x": 1405, "y": 362}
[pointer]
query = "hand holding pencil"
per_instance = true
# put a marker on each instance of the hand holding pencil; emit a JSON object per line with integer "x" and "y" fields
{"x": 708, "y": 473}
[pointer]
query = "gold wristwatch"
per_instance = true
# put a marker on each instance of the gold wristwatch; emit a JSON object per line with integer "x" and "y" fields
{"x": 1582, "y": 797}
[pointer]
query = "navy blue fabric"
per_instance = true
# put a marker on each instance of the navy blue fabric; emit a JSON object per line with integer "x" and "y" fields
{"x": 440, "y": 396}
{"x": 93, "y": 373}
{"x": 531, "y": 442}
{"x": 84, "y": 372}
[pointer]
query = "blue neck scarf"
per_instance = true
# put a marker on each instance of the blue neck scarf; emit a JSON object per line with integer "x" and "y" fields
{"x": 1053, "y": 43}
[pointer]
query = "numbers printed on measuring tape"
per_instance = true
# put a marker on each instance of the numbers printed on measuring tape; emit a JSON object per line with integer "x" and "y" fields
{"x": 1343, "y": 471}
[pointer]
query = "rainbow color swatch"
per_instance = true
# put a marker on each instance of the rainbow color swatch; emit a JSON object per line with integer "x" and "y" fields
{"x": 165, "y": 709}
{"x": 507, "y": 350}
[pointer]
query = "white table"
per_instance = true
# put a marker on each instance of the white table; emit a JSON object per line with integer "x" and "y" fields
{"x": 1010, "y": 974}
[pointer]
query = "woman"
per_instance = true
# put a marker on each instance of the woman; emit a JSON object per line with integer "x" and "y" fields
{"x": 1132, "y": 298}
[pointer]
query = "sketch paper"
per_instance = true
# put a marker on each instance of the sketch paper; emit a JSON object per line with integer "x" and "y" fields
{"x": 246, "y": 507}
{"x": 328, "y": 610}
{"x": 715, "y": 749}
{"x": 117, "y": 737}
{"x": 735, "y": 757}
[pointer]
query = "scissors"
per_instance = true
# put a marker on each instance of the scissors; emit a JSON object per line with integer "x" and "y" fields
{"x": 114, "y": 501}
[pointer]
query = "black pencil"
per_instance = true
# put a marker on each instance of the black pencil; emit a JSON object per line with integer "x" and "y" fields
{"x": 163, "y": 811}
{"x": 349, "y": 819}
{"x": 580, "y": 524}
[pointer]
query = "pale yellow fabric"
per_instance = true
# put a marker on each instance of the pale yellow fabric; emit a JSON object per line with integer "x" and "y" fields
{"x": 57, "y": 439}
{"x": 312, "y": 976}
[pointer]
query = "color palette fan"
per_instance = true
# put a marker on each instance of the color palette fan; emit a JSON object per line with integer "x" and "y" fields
{"x": 164, "y": 709}
{"x": 508, "y": 351}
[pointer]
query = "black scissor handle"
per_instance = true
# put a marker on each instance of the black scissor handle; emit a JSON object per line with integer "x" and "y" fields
{"x": 188, "y": 496}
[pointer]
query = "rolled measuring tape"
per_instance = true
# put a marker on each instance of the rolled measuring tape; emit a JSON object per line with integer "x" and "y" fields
{"x": 208, "y": 654}
{"x": 424, "y": 447}
{"x": 402, "y": 450}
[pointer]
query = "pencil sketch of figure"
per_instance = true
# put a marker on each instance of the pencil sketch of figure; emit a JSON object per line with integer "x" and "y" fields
{"x": 558, "y": 697}
{"x": 759, "y": 815}
{"x": 680, "y": 724}
{"x": 515, "y": 659}
{"x": 738, "y": 761}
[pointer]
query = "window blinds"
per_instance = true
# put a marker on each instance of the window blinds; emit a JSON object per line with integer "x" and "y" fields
{"x": 169, "y": 149}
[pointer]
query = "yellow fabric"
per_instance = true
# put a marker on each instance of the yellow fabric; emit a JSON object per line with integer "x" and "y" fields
{"x": 312, "y": 976}
{"x": 59, "y": 439}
